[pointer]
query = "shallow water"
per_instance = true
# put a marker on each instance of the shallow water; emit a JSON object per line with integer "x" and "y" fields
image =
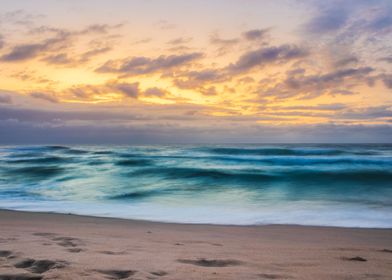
{"x": 336, "y": 185}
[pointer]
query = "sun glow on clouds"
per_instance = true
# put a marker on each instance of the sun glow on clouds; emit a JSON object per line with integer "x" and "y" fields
{"x": 295, "y": 69}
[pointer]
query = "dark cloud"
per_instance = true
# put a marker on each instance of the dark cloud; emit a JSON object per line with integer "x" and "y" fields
{"x": 267, "y": 55}
{"x": 130, "y": 90}
{"x": 145, "y": 65}
{"x": 23, "y": 52}
{"x": 348, "y": 16}
{"x": 28, "y": 127}
{"x": 48, "y": 116}
{"x": 5, "y": 99}
{"x": 45, "y": 96}
{"x": 30, "y": 51}
{"x": 255, "y": 34}
{"x": 369, "y": 113}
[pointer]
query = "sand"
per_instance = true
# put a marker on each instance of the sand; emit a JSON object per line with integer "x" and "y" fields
{"x": 56, "y": 246}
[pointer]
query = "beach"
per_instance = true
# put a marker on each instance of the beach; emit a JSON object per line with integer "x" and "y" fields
{"x": 61, "y": 246}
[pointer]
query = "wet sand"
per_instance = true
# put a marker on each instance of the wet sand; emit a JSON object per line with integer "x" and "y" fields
{"x": 57, "y": 246}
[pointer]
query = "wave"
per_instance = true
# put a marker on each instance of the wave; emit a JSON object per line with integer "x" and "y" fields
{"x": 136, "y": 195}
{"x": 284, "y": 151}
{"x": 256, "y": 175}
{"x": 133, "y": 162}
{"x": 39, "y": 172}
{"x": 294, "y": 161}
{"x": 40, "y": 160}
{"x": 249, "y": 179}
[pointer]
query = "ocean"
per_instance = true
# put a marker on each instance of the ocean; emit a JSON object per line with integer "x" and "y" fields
{"x": 346, "y": 185}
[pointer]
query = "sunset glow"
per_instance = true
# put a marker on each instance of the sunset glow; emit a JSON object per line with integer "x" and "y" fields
{"x": 180, "y": 71}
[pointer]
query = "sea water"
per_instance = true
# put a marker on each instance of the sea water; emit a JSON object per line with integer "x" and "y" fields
{"x": 333, "y": 185}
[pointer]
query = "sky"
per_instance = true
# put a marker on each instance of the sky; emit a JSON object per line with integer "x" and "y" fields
{"x": 205, "y": 71}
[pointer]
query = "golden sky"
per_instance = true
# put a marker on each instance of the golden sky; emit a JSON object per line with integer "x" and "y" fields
{"x": 195, "y": 71}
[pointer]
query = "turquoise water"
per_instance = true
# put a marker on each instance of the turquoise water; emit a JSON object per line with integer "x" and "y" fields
{"x": 336, "y": 185}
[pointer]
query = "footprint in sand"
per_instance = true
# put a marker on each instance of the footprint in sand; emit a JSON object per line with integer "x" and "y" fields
{"x": 40, "y": 266}
{"x": 68, "y": 241}
{"x": 159, "y": 273}
{"x": 386, "y": 250}
{"x": 20, "y": 276}
{"x": 5, "y": 253}
{"x": 273, "y": 276}
{"x": 112, "y": 253}
{"x": 355, "y": 259}
{"x": 211, "y": 263}
{"x": 117, "y": 274}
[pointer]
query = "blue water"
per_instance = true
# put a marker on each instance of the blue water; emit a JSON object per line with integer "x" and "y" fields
{"x": 335, "y": 185}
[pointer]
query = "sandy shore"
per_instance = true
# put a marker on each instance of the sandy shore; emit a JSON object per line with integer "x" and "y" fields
{"x": 56, "y": 246}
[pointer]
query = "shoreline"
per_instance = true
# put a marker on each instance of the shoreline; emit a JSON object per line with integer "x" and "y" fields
{"x": 132, "y": 220}
{"x": 67, "y": 246}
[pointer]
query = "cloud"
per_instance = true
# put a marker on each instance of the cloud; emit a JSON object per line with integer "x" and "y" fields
{"x": 154, "y": 92}
{"x": 145, "y": 65}
{"x": 132, "y": 90}
{"x": 59, "y": 39}
{"x": 23, "y": 52}
{"x": 209, "y": 91}
{"x": 255, "y": 34}
{"x": 92, "y": 53}
{"x": 90, "y": 92}
{"x": 387, "y": 80}
{"x": 319, "y": 107}
{"x": 128, "y": 89}
{"x": 368, "y": 113}
{"x": 2, "y": 43}
{"x": 192, "y": 79}
{"x": 45, "y": 96}
{"x": 387, "y": 59}
{"x": 217, "y": 40}
{"x": 180, "y": 40}
{"x": 66, "y": 59}
{"x": 61, "y": 58}
{"x": 28, "y": 51}
{"x": 5, "y": 99}
{"x": 327, "y": 20}
{"x": 266, "y": 55}
{"x": 382, "y": 21}
{"x": 298, "y": 84}
{"x": 343, "y": 62}
{"x": 34, "y": 127}
{"x": 99, "y": 28}
{"x": 165, "y": 25}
